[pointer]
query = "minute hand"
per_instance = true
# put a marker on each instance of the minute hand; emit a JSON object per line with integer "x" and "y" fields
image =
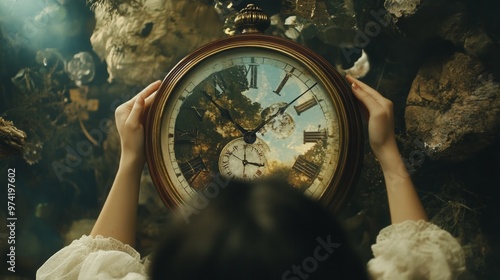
{"x": 281, "y": 110}
{"x": 225, "y": 113}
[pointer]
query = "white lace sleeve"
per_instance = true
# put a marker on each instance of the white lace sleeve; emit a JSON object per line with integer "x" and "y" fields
{"x": 416, "y": 250}
{"x": 94, "y": 258}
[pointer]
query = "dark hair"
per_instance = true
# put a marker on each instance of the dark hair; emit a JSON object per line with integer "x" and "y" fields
{"x": 262, "y": 230}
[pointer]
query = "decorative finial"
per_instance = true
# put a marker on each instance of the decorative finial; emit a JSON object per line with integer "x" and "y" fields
{"x": 252, "y": 19}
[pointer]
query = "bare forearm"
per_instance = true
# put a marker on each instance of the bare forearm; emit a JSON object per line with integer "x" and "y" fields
{"x": 119, "y": 213}
{"x": 404, "y": 203}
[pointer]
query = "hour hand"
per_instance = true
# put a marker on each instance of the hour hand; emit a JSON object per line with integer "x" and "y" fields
{"x": 225, "y": 113}
{"x": 253, "y": 163}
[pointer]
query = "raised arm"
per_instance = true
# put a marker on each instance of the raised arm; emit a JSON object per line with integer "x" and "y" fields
{"x": 404, "y": 203}
{"x": 118, "y": 215}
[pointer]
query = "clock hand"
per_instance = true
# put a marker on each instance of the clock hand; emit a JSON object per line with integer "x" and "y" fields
{"x": 237, "y": 157}
{"x": 225, "y": 113}
{"x": 245, "y": 162}
{"x": 280, "y": 111}
{"x": 244, "y": 159}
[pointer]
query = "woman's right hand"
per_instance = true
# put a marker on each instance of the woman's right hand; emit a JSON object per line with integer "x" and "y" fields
{"x": 404, "y": 203}
{"x": 380, "y": 116}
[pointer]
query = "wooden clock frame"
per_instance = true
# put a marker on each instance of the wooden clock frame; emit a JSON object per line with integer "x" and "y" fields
{"x": 349, "y": 117}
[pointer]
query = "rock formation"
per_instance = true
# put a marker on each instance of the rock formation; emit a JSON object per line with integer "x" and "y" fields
{"x": 141, "y": 43}
{"x": 453, "y": 107}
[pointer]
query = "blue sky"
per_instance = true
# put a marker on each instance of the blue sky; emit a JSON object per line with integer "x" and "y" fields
{"x": 287, "y": 149}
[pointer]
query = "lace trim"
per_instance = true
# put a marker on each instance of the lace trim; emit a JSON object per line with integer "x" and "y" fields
{"x": 101, "y": 243}
{"x": 410, "y": 229}
{"x": 416, "y": 248}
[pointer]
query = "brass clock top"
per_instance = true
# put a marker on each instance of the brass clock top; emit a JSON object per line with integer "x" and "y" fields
{"x": 252, "y": 19}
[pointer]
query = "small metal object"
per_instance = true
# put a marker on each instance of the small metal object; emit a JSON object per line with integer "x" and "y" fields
{"x": 252, "y": 19}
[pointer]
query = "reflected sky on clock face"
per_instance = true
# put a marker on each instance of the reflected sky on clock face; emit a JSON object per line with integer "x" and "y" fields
{"x": 309, "y": 120}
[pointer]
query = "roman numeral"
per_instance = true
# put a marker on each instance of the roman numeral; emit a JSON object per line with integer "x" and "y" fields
{"x": 220, "y": 85}
{"x": 305, "y": 167}
{"x": 305, "y": 106}
{"x": 252, "y": 69}
{"x": 314, "y": 136}
{"x": 185, "y": 136}
{"x": 283, "y": 82}
{"x": 192, "y": 168}
{"x": 257, "y": 174}
{"x": 225, "y": 162}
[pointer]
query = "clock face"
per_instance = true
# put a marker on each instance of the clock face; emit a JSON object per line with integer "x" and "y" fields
{"x": 245, "y": 113}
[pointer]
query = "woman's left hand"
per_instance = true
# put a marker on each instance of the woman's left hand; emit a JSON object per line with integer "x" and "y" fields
{"x": 129, "y": 118}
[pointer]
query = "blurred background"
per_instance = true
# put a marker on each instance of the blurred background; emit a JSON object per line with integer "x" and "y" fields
{"x": 65, "y": 65}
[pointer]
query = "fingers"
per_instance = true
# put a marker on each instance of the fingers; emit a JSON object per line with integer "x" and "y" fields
{"x": 371, "y": 98}
{"x": 149, "y": 90}
{"x": 139, "y": 104}
{"x": 375, "y": 94}
{"x": 147, "y": 104}
{"x": 136, "y": 112}
{"x": 145, "y": 93}
{"x": 150, "y": 99}
{"x": 369, "y": 102}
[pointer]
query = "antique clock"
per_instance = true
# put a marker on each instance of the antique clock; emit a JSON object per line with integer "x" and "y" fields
{"x": 252, "y": 106}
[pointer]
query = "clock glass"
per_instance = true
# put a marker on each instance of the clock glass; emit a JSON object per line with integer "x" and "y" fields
{"x": 247, "y": 113}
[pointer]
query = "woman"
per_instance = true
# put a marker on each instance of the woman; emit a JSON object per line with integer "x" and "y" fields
{"x": 251, "y": 232}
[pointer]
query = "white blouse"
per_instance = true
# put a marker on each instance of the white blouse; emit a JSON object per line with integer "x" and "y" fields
{"x": 408, "y": 250}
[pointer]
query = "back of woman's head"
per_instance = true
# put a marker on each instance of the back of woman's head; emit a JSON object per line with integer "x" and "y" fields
{"x": 262, "y": 230}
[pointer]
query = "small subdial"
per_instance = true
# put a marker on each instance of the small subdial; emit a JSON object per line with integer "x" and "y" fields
{"x": 282, "y": 125}
{"x": 243, "y": 161}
